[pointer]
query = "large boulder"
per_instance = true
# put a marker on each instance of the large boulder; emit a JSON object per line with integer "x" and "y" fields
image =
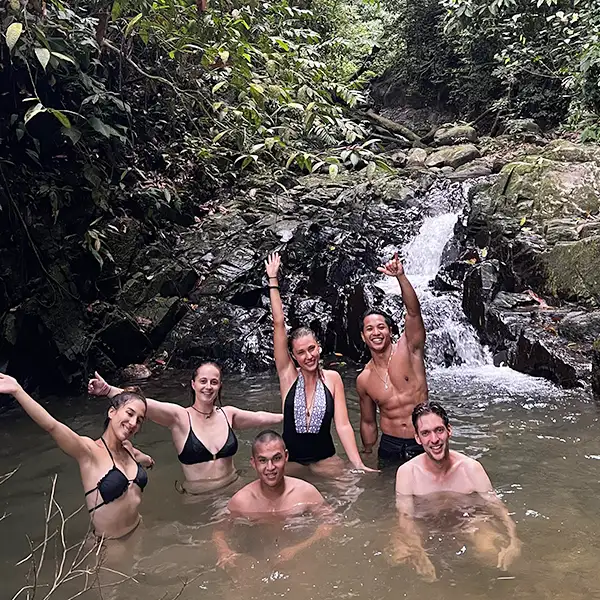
{"x": 449, "y": 135}
{"x": 573, "y": 270}
{"x": 580, "y": 326}
{"x": 596, "y": 369}
{"x": 453, "y": 156}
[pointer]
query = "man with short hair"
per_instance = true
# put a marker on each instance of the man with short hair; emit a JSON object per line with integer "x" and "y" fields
{"x": 394, "y": 379}
{"x": 274, "y": 495}
{"x": 446, "y": 486}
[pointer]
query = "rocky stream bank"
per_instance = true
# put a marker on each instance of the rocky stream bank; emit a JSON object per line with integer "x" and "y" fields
{"x": 525, "y": 260}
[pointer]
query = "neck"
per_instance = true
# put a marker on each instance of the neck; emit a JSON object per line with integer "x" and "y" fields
{"x": 273, "y": 493}
{"x": 203, "y": 407}
{"x": 382, "y": 358}
{"x": 440, "y": 467}
{"x": 114, "y": 444}
{"x": 310, "y": 376}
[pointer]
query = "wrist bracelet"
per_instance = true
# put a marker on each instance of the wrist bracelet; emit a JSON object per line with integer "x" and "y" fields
{"x": 273, "y": 277}
{"x": 273, "y": 287}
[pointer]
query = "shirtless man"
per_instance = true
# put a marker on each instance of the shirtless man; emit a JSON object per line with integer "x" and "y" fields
{"x": 453, "y": 487}
{"x": 273, "y": 496}
{"x": 394, "y": 378}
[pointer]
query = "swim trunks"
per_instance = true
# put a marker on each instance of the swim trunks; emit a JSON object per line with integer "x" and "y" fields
{"x": 395, "y": 451}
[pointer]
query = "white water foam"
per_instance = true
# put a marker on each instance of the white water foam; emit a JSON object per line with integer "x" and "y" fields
{"x": 450, "y": 337}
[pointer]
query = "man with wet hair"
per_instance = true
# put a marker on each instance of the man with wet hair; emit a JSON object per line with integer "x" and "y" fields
{"x": 394, "y": 379}
{"x": 447, "y": 487}
{"x": 274, "y": 496}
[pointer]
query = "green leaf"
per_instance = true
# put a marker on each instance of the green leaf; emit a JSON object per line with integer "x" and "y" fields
{"x": 224, "y": 55}
{"x": 115, "y": 12}
{"x": 43, "y": 55}
{"x": 218, "y": 86}
{"x": 64, "y": 57}
{"x": 132, "y": 24}
{"x": 33, "y": 111}
{"x": 99, "y": 126}
{"x": 333, "y": 171}
{"x": 220, "y": 135}
{"x": 522, "y": 221}
{"x": 64, "y": 120}
{"x": 72, "y": 133}
{"x": 13, "y": 33}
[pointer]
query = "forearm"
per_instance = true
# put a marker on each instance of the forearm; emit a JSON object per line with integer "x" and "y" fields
{"x": 276, "y": 303}
{"x": 346, "y": 435}
{"x": 409, "y": 297}
{"x": 368, "y": 435}
{"x": 500, "y": 511}
{"x": 36, "y": 411}
{"x": 221, "y": 544}
{"x": 323, "y": 531}
{"x": 409, "y": 538}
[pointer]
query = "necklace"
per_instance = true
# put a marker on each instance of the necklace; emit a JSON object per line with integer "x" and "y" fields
{"x": 206, "y": 415}
{"x": 387, "y": 374}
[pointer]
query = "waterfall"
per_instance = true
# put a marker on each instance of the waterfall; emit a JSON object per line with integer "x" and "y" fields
{"x": 451, "y": 340}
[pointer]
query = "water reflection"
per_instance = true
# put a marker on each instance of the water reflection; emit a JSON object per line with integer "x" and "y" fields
{"x": 538, "y": 444}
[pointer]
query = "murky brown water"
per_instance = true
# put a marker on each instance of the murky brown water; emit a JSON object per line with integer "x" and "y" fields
{"x": 540, "y": 446}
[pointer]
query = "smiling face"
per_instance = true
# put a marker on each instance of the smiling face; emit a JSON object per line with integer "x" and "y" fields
{"x": 268, "y": 459}
{"x": 376, "y": 333}
{"x": 434, "y": 436}
{"x": 126, "y": 420}
{"x": 207, "y": 384}
{"x": 306, "y": 351}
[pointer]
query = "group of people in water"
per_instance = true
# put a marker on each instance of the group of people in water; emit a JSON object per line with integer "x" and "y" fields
{"x": 415, "y": 438}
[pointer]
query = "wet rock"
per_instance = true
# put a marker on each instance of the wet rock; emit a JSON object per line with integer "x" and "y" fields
{"x": 416, "y": 157}
{"x": 596, "y": 370}
{"x": 135, "y": 373}
{"x": 470, "y": 171}
{"x": 572, "y": 271}
{"x": 579, "y": 326}
{"x": 567, "y": 151}
{"x": 399, "y": 159}
{"x": 454, "y": 156}
{"x": 516, "y": 126}
{"x": 449, "y": 135}
{"x": 123, "y": 340}
{"x": 158, "y": 316}
{"x": 561, "y": 230}
{"x": 589, "y": 229}
{"x": 537, "y": 187}
{"x": 481, "y": 284}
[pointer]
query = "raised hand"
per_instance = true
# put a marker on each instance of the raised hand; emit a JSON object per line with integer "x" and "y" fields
{"x": 97, "y": 386}
{"x": 272, "y": 265}
{"x": 393, "y": 268}
{"x": 9, "y": 385}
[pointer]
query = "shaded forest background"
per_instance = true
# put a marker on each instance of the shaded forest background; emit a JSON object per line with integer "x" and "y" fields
{"x": 116, "y": 114}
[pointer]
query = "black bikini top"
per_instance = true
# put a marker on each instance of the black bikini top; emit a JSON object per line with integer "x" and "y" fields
{"x": 195, "y": 452}
{"x": 115, "y": 483}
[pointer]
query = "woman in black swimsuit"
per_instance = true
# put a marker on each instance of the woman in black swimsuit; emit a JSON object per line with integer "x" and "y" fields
{"x": 202, "y": 433}
{"x": 112, "y": 478}
{"x": 312, "y": 397}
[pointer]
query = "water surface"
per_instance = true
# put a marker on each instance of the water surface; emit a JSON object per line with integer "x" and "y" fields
{"x": 539, "y": 444}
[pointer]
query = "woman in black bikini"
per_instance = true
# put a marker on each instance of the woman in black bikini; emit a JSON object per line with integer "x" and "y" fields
{"x": 112, "y": 477}
{"x": 202, "y": 433}
{"x": 312, "y": 397}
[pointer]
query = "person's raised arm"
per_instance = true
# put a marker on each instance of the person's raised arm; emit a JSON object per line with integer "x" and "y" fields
{"x": 414, "y": 329}
{"x": 343, "y": 426}
{"x": 77, "y": 446}
{"x": 249, "y": 419}
{"x": 368, "y": 418}
{"x": 483, "y": 486}
{"x": 407, "y": 544}
{"x": 166, "y": 414}
{"x": 283, "y": 361}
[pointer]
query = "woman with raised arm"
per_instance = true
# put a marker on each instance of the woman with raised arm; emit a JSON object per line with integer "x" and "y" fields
{"x": 203, "y": 433}
{"x": 312, "y": 397}
{"x": 112, "y": 478}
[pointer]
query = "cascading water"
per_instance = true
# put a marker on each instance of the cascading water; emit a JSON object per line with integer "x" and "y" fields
{"x": 451, "y": 340}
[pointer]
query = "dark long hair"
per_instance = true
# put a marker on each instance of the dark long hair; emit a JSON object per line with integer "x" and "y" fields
{"x": 129, "y": 394}
{"x": 194, "y": 375}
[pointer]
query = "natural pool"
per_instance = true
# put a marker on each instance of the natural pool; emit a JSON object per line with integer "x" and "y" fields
{"x": 539, "y": 444}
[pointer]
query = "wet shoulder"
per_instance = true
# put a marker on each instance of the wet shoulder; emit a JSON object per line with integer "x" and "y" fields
{"x": 243, "y": 500}
{"x": 332, "y": 378}
{"x": 306, "y": 490}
